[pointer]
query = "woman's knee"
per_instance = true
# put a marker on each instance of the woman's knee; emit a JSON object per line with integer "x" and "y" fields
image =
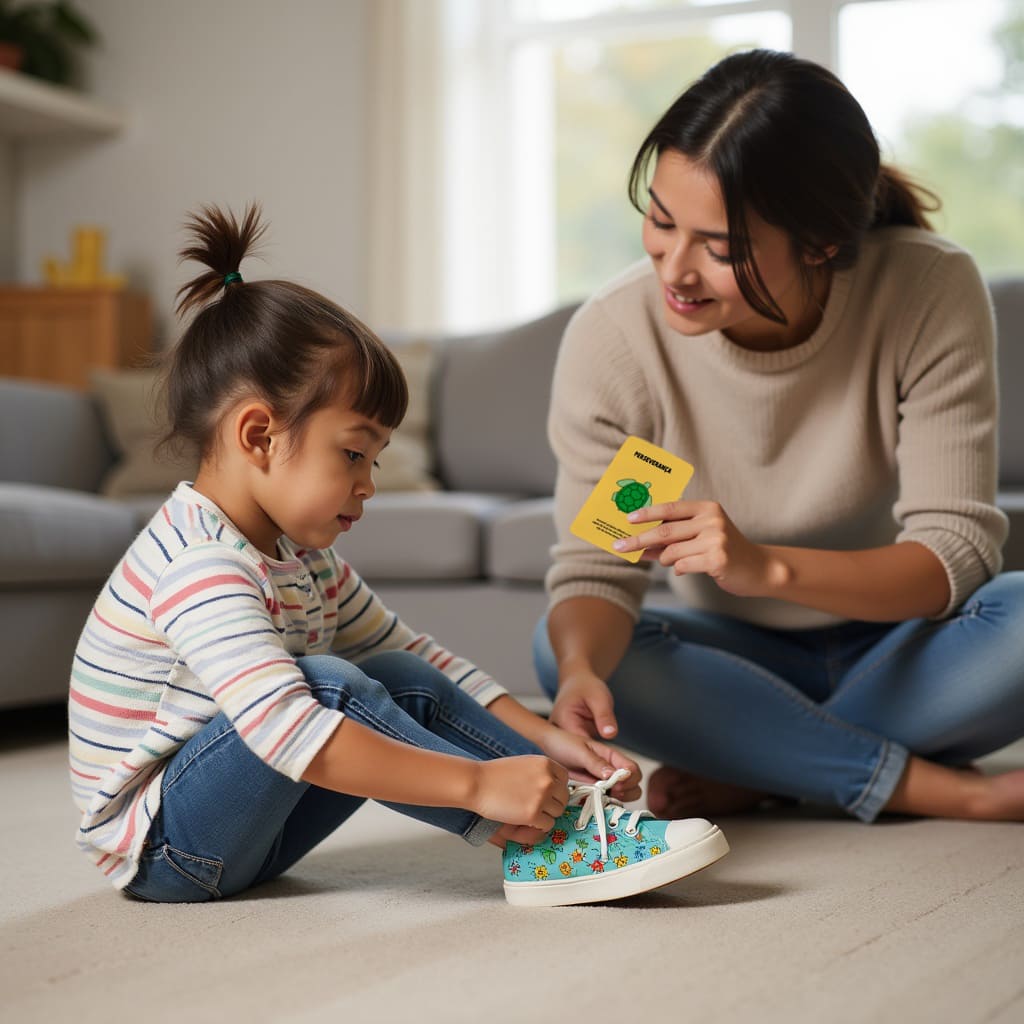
{"x": 1002, "y": 593}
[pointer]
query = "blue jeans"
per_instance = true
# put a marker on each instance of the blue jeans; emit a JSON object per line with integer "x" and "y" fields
{"x": 824, "y": 715}
{"x": 227, "y": 821}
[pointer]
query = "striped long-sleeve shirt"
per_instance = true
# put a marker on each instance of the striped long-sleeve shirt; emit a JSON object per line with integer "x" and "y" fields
{"x": 195, "y": 621}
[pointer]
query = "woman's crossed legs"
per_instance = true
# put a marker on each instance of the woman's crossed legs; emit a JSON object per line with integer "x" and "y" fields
{"x": 862, "y": 716}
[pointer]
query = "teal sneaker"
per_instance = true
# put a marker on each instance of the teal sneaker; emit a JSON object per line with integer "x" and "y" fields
{"x": 598, "y": 850}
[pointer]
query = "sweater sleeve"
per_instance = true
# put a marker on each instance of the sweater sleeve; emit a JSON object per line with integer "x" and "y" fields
{"x": 946, "y": 452}
{"x": 598, "y": 398}
{"x": 367, "y": 627}
{"x": 211, "y": 602}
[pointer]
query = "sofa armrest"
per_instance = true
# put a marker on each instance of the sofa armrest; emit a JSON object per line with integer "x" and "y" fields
{"x": 51, "y": 436}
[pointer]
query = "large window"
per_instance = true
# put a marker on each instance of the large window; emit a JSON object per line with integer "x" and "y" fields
{"x": 548, "y": 101}
{"x": 943, "y": 84}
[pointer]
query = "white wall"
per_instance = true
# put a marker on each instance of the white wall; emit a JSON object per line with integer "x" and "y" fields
{"x": 227, "y": 101}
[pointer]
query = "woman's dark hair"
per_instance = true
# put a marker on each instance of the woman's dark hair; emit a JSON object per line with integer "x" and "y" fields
{"x": 283, "y": 343}
{"x": 786, "y": 139}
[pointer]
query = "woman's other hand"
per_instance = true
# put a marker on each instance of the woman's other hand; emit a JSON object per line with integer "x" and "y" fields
{"x": 584, "y": 706}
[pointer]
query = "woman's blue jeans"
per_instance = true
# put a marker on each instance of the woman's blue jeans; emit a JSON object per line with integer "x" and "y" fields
{"x": 825, "y": 715}
{"x": 228, "y": 822}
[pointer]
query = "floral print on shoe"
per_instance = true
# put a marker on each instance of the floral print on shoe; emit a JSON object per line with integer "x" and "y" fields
{"x": 598, "y": 850}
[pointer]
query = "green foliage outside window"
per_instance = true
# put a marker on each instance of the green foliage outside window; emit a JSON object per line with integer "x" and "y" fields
{"x": 977, "y": 169}
{"x": 609, "y": 95}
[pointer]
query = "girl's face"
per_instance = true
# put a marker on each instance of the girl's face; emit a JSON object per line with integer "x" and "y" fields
{"x": 686, "y": 235}
{"x": 314, "y": 489}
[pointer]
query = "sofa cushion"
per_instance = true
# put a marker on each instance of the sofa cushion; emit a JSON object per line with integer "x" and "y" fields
{"x": 49, "y": 535}
{"x": 492, "y": 407}
{"x": 1008, "y": 298}
{"x": 420, "y": 536}
{"x": 143, "y": 506}
{"x": 1012, "y": 503}
{"x": 50, "y": 435}
{"x": 519, "y": 539}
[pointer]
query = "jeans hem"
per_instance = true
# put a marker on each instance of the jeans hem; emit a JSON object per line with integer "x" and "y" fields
{"x": 482, "y": 830}
{"x": 879, "y": 790}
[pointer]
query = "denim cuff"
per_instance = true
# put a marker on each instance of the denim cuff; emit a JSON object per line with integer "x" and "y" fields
{"x": 888, "y": 772}
{"x": 482, "y": 830}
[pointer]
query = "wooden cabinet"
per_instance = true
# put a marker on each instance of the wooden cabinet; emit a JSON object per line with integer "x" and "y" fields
{"x": 60, "y": 334}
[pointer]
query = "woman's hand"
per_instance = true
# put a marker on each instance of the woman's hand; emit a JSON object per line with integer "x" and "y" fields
{"x": 698, "y": 537}
{"x": 591, "y": 761}
{"x": 583, "y": 706}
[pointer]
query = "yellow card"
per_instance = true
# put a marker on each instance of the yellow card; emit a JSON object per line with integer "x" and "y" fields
{"x": 641, "y": 474}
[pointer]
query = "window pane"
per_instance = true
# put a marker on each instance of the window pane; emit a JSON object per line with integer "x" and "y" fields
{"x": 943, "y": 84}
{"x": 608, "y": 95}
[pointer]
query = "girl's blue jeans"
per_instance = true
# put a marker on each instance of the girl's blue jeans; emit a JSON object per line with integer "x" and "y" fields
{"x": 228, "y": 822}
{"x": 828, "y": 715}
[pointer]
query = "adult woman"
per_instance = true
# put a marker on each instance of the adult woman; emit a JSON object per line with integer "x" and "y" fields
{"x": 826, "y": 363}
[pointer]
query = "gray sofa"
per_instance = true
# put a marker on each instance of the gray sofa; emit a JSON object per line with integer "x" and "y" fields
{"x": 465, "y": 563}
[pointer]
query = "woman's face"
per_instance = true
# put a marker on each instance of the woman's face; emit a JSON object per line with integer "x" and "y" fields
{"x": 686, "y": 235}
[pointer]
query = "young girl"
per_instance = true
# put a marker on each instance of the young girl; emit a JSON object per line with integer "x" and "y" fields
{"x": 842, "y": 633}
{"x": 238, "y": 690}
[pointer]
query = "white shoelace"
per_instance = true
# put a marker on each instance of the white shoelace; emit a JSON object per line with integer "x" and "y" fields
{"x": 594, "y": 802}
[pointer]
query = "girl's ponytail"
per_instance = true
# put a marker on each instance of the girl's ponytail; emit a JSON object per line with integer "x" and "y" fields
{"x": 901, "y": 200}
{"x": 273, "y": 340}
{"x": 220, "y": 243}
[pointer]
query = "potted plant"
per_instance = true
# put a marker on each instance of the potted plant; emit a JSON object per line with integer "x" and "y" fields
{"x": 39, "y": 38}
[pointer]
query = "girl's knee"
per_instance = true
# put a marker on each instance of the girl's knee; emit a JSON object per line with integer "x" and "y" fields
{"x": 395, "y": 661}
{"x": 401, "y": 672}
{"x": 317, "y": 667}
{"x": 333, "y": 680}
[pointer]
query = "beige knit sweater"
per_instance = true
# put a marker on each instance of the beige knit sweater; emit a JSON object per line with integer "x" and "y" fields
{"x": 879, "y": 428}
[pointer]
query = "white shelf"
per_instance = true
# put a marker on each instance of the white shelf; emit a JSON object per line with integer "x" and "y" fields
{"x": 30, "y": 108}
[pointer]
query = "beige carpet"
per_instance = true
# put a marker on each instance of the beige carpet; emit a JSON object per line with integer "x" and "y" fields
{"x": 811, "y": 918}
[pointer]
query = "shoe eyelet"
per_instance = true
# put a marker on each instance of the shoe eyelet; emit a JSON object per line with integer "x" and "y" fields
{"x": 629, "y": 831}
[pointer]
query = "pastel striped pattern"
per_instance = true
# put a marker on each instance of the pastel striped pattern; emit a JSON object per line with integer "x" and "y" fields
{"x": 195, "y": 622}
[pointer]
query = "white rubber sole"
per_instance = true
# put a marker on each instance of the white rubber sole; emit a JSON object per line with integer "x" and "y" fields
{"x": 616, "y": 885}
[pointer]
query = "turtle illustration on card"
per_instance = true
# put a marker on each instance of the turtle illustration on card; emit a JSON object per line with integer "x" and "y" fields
{"x": 641, "y": 474}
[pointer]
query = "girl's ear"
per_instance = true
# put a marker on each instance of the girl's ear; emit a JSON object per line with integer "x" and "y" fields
{"x": 828, "y": 253}
{"x": 253, "y": 433}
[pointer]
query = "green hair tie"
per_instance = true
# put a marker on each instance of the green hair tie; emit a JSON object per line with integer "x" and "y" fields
{"x": 230, "y": 278}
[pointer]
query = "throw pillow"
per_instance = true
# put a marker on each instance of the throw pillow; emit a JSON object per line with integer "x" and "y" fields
{"x": 405, "y": 465}
{"x": 135, "y": 420}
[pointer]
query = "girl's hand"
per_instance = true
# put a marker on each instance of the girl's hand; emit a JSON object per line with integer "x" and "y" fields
{"x": 590, "y": 761}
{"x": 583, "y": 706}
{"x": 528, "y": 791}
{"x": 698, "y": 537}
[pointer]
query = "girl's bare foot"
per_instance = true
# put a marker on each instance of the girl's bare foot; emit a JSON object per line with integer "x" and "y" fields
{"x": 933, "y": 790}
{"x": 674, "y": 793}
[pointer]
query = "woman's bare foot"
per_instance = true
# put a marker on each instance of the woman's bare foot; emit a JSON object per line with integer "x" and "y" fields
{"x": 933, "y": 790}
{"x": 674, "y": 793}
